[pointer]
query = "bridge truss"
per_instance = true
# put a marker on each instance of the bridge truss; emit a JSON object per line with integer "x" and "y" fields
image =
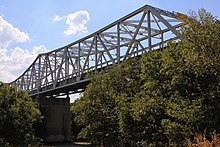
{"x": 63, "y": 70}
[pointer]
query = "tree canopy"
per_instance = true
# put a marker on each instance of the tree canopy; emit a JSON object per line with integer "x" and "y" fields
{"x": 18, "y": 113}
{"x": 161, "y": 99}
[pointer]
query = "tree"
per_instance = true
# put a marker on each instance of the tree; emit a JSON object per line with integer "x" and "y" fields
{"x": 148, "y": 105}
{"x": 170, "y": 95}
{"x": 104, "y": 108}
{"x": 204, "y": 41}
{"x": 180, "y": 93}
{"x": 96, "y": 111}
{"x": 124, "y": 88}
{"x": 18, "y": 113}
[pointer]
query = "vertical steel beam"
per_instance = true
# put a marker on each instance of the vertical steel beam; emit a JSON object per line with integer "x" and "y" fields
{"x": 35, "y": 77}
{"x": 32, "y": 77}
{"x": 118, "y": 43}
{"x": 96, "y": 53}
{"x": 21, "y": 83}
{"x": 45, "y": 62}
{"x": 66, "y": 64}
{"x": 162, "y": 40}
{"x": 101, "y": 54}
{"x": 28, "y": 81}
{"x": 149, "y": 30}
{"x": 39, "y": 73}
{"x": 55, "y": 72}
{"x": 51, "y": 70}
{"x": 137, "y": 48}
{"x": 18, "y": 84}
{"x": 78, "y": 62}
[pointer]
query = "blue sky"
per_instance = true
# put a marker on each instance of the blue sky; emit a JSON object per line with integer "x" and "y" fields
{"x": 28, "y": 27}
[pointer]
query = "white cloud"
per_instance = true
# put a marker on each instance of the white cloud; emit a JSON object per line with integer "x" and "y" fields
{"x": 9, "y": 34}
{"x": 76, "y": 22}
{"x": 39, "y": 49}
{"x": 58, "y": 18}
{"x": 17, "y": 62}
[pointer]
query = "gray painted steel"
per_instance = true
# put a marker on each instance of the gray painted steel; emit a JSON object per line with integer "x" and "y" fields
{"x": 64, "y": 70}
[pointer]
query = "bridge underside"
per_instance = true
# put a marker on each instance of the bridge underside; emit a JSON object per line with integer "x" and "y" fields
{"x": 68, "y": 88}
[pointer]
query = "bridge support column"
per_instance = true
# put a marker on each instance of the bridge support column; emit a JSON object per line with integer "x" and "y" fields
{"x": 57, "y": 118}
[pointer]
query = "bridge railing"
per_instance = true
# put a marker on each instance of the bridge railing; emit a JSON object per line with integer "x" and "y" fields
{"x": 144, "y": 29}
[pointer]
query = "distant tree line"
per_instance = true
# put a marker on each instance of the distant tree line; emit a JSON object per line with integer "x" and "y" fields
{"x": 160, "y": 99}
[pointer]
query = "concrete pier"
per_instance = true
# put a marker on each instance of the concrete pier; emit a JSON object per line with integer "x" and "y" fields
{"x": 57, "y": 118}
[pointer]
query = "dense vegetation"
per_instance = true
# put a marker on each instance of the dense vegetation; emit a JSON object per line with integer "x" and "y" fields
{"x": 160, "y": 100}
{"x": 18, "y": 113}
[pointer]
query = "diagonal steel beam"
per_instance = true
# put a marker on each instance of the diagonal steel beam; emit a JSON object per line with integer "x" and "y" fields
{"x": 154, "y": 12}
{"x": 106, "y": 50}
{"x": 134, "y": 37}
{"x": 87, "y": 58}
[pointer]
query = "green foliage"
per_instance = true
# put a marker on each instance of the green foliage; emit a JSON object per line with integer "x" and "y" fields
{"x": 163, "y": 98}
{"x": 148, "y": 106}
{"x": 205, "y": 48}
{"x": 104, "y": 108}
{"x": 95, "y": 110}
{"x": 18, "y": 113}
{"x": 180, "y": 94}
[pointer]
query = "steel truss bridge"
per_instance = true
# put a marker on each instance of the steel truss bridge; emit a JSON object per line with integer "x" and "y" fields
{"x": 64, "y": 70}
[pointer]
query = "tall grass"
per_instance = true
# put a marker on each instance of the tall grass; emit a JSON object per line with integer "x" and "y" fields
{"x": 201, "y": 141}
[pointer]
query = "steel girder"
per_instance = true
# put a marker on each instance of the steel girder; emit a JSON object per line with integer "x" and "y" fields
{"x": 145, "y": 29}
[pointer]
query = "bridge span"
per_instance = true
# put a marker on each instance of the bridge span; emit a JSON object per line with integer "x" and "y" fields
{"x": 63, "y": 71}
